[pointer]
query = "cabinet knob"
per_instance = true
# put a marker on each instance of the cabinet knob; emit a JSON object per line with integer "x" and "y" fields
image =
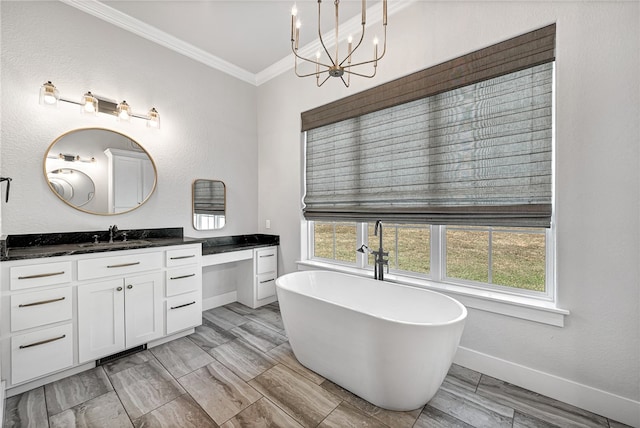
{"x": 119, "y": 289}
{"x": 129, "y": 287}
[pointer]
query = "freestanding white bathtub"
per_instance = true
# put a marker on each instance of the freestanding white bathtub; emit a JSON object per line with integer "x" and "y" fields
{"x": 387, "y": 343}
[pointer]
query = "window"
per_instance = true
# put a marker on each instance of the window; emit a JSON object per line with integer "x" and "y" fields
{"x": 504, "y": 257}
{"x": 407, "y": 244}
{"x": 456, "y": 160}
{"x": 334, "y": 241}
{"x": 511, "y": 260}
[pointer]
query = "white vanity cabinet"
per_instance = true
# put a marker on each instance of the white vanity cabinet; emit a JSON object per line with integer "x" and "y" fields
{"x": 119, "y": 314}
{"x": 262, "y": 289}
{"x": 60, "y": 314}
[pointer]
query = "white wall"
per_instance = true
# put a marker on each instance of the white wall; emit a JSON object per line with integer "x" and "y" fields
{"x": 211, "y": 129}
{"x": 597, "y": 178}
{"x": 208, "y": 120}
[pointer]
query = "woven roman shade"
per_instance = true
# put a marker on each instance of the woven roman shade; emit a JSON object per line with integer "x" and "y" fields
{"x": 478, "y": 154}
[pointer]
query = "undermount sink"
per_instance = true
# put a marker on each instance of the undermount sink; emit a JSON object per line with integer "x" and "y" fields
{"x": 115, "y": 244}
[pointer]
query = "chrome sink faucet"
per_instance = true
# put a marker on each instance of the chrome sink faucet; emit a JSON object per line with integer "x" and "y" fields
{"x": 112, "y": 231}
{"x": 380, "y": 261}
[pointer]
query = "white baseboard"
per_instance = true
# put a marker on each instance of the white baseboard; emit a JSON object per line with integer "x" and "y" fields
{"x": 2, "y": 401}
{"x": 603, "y": 403}
{"x": 222, "y": 299}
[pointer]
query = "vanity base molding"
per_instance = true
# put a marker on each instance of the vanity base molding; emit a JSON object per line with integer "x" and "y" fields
{"x": 220, "y": 300}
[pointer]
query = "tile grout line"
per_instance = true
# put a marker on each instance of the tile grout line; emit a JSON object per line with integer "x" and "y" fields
{"x": 118, "y": 395}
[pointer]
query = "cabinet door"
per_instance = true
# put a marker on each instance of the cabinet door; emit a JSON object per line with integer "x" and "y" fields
{"x": 100, "y": 319}
{"x": 144, "y": 316}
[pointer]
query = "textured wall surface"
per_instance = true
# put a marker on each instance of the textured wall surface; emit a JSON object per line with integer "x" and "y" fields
{"x": 208, "y": 120}
{"x": 597, "y": 178}
{"x": 214, "y": 126}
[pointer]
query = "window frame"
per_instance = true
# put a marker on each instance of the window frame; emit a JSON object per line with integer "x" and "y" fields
{"x": 541, "y": 308}
{"x": 438, "y": 260}
{"x": 532, "y": 306}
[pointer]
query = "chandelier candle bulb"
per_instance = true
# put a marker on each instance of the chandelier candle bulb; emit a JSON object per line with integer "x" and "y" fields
{"x": 375, "y": 51}
{"x": 294, "y": 12}
{"x": 384, "y": 12}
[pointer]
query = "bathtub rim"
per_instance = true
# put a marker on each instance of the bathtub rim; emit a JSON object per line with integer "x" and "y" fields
{"x": 461, "y": 318}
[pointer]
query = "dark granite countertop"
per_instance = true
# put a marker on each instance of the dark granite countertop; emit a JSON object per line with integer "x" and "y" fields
{"x": 224, "y": 244}
{"x": 32, "y": 246}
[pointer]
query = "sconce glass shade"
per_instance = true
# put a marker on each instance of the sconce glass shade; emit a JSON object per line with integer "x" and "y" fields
{"x": 124, "y": 112}
{"x": 49, "y": 95}
{"x": 153, "y": 120}
{"x": 89, "y": 103}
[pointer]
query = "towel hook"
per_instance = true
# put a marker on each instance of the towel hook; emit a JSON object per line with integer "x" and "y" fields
{"x": 8, "y": 180}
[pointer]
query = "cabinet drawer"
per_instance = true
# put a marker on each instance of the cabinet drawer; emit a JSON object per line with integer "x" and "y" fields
{"x": 184, "y": 311}
{"x": 118, "y": 265}
{"x": 183, "y": 280}
{"x": 40, "y": 308}
{"x": 266, "y": 285}
{"x": 39, "y": 275}
{"x": 266, "y": 260}
{"x": 41, "y": 352}
{"x": 184, "y": 256}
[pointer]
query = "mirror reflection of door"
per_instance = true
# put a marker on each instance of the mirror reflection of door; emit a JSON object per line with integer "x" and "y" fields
{"x": 209, "y": 204}
{"x": 131, "y": 179}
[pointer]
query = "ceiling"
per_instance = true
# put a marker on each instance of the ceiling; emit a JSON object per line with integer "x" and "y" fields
{"x": 249, "y": 39}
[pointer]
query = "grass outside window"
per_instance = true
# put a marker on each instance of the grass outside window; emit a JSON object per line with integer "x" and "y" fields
{"x": 509, "y": 257}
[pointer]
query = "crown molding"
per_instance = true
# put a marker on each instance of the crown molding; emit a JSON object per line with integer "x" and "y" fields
{"x": 135, "y": 26}
{"x": 153, "y": 34}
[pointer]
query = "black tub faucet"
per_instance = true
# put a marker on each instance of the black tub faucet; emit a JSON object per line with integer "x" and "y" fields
{"x": 380, "y": 261}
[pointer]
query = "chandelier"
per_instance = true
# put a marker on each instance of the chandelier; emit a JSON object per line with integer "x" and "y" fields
{"x": 335, "y": 65}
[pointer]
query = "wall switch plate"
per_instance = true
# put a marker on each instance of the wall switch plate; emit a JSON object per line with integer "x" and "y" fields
{"x": 267, "y": 224}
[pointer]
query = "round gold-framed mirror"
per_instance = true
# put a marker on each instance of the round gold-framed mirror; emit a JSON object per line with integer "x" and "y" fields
{"x": 99, "y": 171}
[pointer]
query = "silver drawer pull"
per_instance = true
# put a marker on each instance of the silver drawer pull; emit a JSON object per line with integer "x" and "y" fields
{"x": 41, "y": 275}
{"x": 44, "y": 302}
{"x": 267, "y": 255}
{"x": 182, "y": 306}
{"x": 182, "y": 257}
{"x": 267, "y": 280}
{"x": 42, "y": 342}
{"x": 123, "y": 265}
{"x": 183, "y": 276}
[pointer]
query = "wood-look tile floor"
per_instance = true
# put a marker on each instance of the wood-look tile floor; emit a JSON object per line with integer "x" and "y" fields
{"x": 238, "y": 370}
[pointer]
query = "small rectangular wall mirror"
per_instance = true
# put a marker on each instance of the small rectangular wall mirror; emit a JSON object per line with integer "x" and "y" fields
{"x": 209, "y": 204}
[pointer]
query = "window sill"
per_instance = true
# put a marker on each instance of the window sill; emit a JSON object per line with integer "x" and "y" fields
{"x": 484, "y": 300}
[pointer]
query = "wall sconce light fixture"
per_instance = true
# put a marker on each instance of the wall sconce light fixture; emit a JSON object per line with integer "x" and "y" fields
{"x": 154, "y": 118}
{"x": 92, "y": 104}
{"x": 72, "y": 158}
